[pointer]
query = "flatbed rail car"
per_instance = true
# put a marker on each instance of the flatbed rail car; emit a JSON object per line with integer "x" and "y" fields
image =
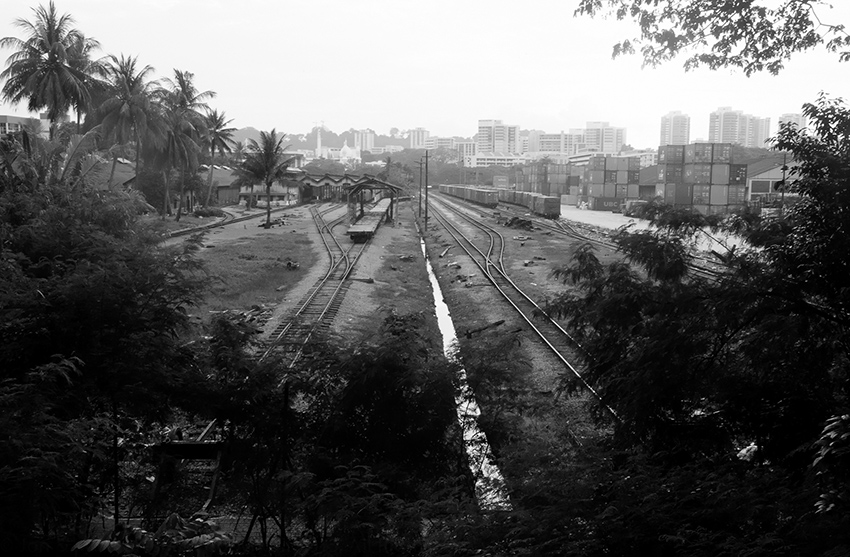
{"x": 543, "y": 205}
{"x": 365, "y": 227}
{"x": 482, "y": 196}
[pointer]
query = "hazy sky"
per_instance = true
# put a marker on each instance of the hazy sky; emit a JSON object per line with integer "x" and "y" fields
{"x": 440, "y": 64}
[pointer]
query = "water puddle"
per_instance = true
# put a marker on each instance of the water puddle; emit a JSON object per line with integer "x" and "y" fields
{"x": 490, "y": 488}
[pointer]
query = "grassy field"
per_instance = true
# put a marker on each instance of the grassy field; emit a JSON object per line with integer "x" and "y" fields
{"x": 254, "y": 270}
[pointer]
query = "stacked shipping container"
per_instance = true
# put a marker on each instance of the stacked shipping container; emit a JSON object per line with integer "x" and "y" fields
{"x": 701, "y": 175}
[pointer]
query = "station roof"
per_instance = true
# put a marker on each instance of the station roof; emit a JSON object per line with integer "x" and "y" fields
{"x": 371, "y": 183}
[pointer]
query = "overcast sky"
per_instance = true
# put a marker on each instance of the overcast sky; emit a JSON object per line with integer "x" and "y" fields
{"x": 440, "y": 64}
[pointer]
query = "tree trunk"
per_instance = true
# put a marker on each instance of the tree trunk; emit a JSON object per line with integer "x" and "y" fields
{"x": 112, "y": 171}
{"x": 268, "y": 205}
{"x": 166, "y": 205}
{"x": 209, "y": 180}
{"x": 182, "y": 193}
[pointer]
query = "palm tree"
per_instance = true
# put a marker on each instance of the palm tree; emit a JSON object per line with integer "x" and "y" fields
{"x": 266, "y": 162}
{"x": 80, "y": 58}
{"x": 218, "y": 136}
{"x": 181, "y": 105}
{"x": 45, "y": 68}
{"x": 126, "y": 108}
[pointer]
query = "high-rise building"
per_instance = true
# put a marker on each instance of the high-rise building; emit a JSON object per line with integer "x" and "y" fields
{"x": 417, "y": 138}
{"x": 602, "y": 137}
{"x": 798, "y": 120}
{"x": 495, "y": 137}
{"x": 675, "y": 129}
{"x": 733, "y": 126}
{"x": 364, "y": 140}
{"x": 560, "y": 143}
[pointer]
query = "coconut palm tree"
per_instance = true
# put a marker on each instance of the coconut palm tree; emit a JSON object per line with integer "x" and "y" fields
{"x": 182, "y": 125}
{"x": 265, "y": 163}
{"x": 126, "y": 108}
{"x": 218, "y": 136}
{"x": 45, "y": 67}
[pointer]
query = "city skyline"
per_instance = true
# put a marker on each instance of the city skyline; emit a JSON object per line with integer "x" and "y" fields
{"x": 273, "y": 75}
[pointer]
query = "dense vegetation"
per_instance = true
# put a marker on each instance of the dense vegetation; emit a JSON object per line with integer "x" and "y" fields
{"x": 732, "y": 393}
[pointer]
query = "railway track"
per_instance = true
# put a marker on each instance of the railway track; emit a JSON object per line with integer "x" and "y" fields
{"x": 702, "y": 267}
{"x": 227, "y": 220}
{"x": 315, "y": 312}
{"x": 488, "y": 255}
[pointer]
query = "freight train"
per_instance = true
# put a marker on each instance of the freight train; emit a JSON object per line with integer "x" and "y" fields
{"x": 543, "y": 205}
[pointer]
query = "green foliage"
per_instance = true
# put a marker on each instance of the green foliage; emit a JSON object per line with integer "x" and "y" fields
{"x": 176, "y": 536}
{"x": 90, "y": 311}
{"x": 754, "y": 36}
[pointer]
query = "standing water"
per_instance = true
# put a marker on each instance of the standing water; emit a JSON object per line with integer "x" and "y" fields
{"x": 489, "y": 484}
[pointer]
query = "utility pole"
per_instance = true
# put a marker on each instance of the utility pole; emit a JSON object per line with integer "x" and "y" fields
{"x": 784, "y": 168}
{"x": 420, "y": 163}
{"x": 426, "y": 190}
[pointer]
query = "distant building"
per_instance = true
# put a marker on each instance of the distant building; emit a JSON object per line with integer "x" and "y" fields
{"x": 364, "y": 140}
{"x": 393, "y": 148}
{"x": 465, "y": 147}
{"x": 542, "y": 144}
{"x": 733, "y": 126}
{"x": 440, "y": 143}
{"x": 604, "y": 137}
{"x": 12, "y": 124}
{"x": 798, "y": 120}
{"x": 648, "y": 157}
{"x": 495, "y": 137}
{"x": 675, "y": 129}
{"x": 417, "y": 137}
{"x": 483, "y": 160}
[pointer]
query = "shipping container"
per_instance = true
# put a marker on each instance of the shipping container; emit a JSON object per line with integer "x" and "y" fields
{"x": 605, "y": 203}
{"x": 633, "y": 177}
{"x": 609, "y": 190}
{"x": 701, "y": 209}
{"x": 569, "y": 200}
{"x": 684, "y": 194}
{"x": 634, "y": 163}
{"x": 671, "y": 173}
{"x": 595, "y": 176}
{"x": 697, "y": 173}
{"x": 738, "y": 174}
{"x": 721, "y": 153}
{"x": 622, "y": 190}
{"x": 647, "y": 192}
{"x": 596, "y": 190}
{"x": 718, "y": 209}
{"x": 702, "y": 195}
{"x": 719, "y": 195}
{"x": 633, "y": 191}
{"x": 737, "y": 195}
{"x": 698, "y": 153}
{"x": 596, "y": 162}
{"x": 720, "y": 174}
{"x": 622, "y": 177}
{"x": 671, "y": 154}
{"x": 622, "y": 163}
{"x": 573, "y": 190}
{"x": 611, "y": 176}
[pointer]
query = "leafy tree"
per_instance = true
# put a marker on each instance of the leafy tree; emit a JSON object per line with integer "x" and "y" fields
{"x": 91, "y": 307}
{"x": 325, "y": 166}
{"x": 751, "y": 35}
{"x": 265, "y": 163}
{"x": 47, "y": 67}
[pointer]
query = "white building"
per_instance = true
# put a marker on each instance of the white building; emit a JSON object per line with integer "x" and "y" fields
{"x": 495, "y": 137}
{"x": 465, "y": 147}
{"x": 675, "y": 129}
{"x": 364, "y": 140}
{"x": 602, "y": 136}
{"x": 733, "y": 126}
{"x": 798, "y": 120}
{"x": 417, "y": 137}
{"x": 541, "y": 144}
{"x": 483, "y": 160}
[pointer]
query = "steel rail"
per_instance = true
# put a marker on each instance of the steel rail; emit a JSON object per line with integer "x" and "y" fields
{"x": 501, "y": 275}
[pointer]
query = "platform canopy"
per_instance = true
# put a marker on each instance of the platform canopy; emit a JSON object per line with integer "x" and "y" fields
{"x": 371, "y": 183}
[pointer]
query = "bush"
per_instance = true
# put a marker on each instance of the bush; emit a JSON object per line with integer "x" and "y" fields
{"x": 208, "y": 212}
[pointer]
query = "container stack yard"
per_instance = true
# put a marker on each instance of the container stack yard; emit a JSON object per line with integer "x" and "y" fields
{"x": 607, "y": 182}
{"x": 702, "y": 176}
